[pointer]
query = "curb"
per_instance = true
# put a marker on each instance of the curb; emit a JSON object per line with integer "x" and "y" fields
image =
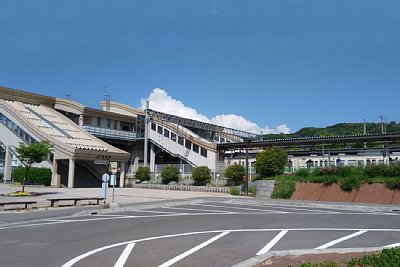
{"x": 138, "y": 207}
{"x": 259, "y": 259}
{"x": 332, "y": 205}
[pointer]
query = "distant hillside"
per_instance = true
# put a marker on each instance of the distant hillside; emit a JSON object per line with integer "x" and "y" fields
{"x": 338, "y": 129}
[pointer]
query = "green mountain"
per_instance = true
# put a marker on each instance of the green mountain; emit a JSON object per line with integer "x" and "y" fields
{"x": 339, "y": 129}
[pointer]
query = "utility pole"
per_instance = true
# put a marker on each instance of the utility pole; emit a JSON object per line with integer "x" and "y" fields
{"x": 146, "y": 133}
{"x": 365, "y": 132}
{"x": 382, "y": 124}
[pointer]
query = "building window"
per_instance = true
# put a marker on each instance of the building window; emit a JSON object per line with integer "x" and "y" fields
{"x": 166, "y": 133}
{"x": 159, "y": 130}
{"x": 153, "y": 126}
{"x": 196, "y": 148}
{"x": 98, "y": 122}
{"x": 125, "y": 126}
{"x": 180, "y": 140}
{"x": 203, "y": 152}
{"x": 115, "y": 125}
{"x": 108, "y": 123}
{"x": 173, "y": 136}
{"x": 188, "y": 144}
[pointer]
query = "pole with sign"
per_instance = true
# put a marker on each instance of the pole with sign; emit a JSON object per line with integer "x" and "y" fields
{"x": 114, "y": 169}
{"x": 105, "y": 178}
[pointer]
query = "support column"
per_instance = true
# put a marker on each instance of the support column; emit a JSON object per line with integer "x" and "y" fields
{"x": 152, "y": 158}
{"x": 81, "y": 121}
{"x": 71, "y": 173}
{"x": 122, "y": 175}
{"x": 7, "y": 166}
{"x": 55, "y": 177}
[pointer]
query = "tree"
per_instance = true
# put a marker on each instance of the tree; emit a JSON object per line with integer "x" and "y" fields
{"x": 170, "y": 174}
{"x": 201, "y": 175}
{"x": 271, "y": 162}
{"x": 236, "y": 173}
{"x": 32, "y": 153}
{"x": 143, "y": 173}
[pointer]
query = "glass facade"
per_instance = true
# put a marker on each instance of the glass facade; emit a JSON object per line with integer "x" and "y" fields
{"x": 16, "y": 129}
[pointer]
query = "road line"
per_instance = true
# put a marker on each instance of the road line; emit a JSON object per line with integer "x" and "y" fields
{"x": 89, "y": 253}
{"x": 124, "y": 256}
{"x": 193, "y": 250}
{"x": 293, "y": 208}
{"x": 216, "y": 206}
{"x": 334, "y": 242}
{"x": 272, "y": 243}
{"x": 218, "y": 211}
{"x": 392, "y": 245}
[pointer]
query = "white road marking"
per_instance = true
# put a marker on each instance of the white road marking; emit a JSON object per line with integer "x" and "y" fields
{"x": 392, "y": 245}
{"x": 87, "y": 254}
{"x": 336, "y": 241}
{"x": 124, "y": 256}
{"x": 334, "y": 210}
{"x": 219, "y": 211}
{"x": 286, "y": 207}
{"x": 216, "y": 206}
{"x": 272, "y": 243}
{"x": 59, "y": 220}
{"x": 193, "y": 250}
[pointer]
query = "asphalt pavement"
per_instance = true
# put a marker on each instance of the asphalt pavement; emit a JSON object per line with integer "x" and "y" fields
{"x": 149, "y": 227}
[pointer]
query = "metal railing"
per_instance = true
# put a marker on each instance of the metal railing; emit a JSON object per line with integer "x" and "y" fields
{"x": 110, "y": 133}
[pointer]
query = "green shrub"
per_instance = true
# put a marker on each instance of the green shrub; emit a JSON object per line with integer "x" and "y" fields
{"x": 201, "y": 175}
{"x": 271, "y": 162}
{"x": 37, "y": 176}
{"x": 143, "y": 173}
{"x": 284, "y": 188}
{"x": 374, "y": 170}
{"x": 234, "y": 191}
{"x": 393, "y": 183}
{"x": 329, "y": 180}
{"x": 323, "y": 264}
{"x": 252, "y": 191}
{"x": 393, "y": 170}
{"x": 331, "y": 170}
{"x": 387, "y": 258}
{"x": 350, "y": 183}
{"x": 236, "y": 173}
{"x": 347, "y": 171}
{"x": 302, "y": 173}
{"x": 170, "y": 174}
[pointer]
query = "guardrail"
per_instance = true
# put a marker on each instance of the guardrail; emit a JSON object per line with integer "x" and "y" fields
{"x": 178, "y": 187}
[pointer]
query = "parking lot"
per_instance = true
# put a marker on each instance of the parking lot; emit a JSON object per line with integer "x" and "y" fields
{"x": 212, "y": 233}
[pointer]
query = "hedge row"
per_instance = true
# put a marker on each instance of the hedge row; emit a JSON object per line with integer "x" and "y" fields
{"x": 37, "y": 176}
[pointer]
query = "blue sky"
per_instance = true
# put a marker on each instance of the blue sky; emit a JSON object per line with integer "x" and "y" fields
{"x": 269, "y": 62}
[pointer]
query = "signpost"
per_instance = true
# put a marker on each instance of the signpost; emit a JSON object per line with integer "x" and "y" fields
{"x": 105, "y": 178}
{"x": 114, "y": 169}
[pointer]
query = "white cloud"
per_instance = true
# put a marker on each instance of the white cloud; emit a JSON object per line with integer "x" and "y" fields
{"x": 159, "y": 100}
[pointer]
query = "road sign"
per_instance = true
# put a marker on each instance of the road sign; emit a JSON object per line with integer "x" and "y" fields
{"x": 114, "y": 167}
{"x": 113, "y": 180}
{"x": 101, "y": 162}
{"x": 105, "y": 177}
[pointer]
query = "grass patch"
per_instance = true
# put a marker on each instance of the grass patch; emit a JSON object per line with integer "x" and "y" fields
{"x": 234, "y": 191}
{"x": 323, "y": 264}
{"x": 284, "y": 187}
{"x": 349, "y": 183}
{"x": 349, "y": 178}
{"x": 393, "y": 183}
{"x": 252, "y": 191}
{"x": 388, "y": 258}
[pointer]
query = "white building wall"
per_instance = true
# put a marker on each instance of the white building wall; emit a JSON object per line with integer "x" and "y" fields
{"x": 176, "y": 149}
